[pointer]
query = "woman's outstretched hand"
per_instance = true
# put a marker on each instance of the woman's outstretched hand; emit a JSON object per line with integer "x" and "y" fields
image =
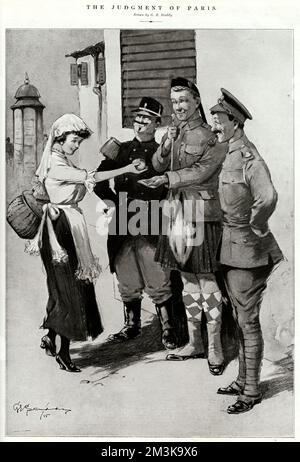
{"x": 137, "y": 166}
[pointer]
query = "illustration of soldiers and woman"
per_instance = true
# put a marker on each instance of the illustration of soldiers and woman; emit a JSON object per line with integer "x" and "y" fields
{"x": 210, "y": 238}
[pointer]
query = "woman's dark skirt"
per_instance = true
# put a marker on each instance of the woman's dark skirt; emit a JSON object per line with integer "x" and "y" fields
{"x": 72, "y": 309}
{"x": 203, "y": 258}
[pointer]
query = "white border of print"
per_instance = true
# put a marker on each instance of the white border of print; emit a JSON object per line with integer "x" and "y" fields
{"x": 228, "y": 14}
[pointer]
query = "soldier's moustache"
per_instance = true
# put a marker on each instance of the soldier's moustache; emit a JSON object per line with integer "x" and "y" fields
{"x": 140, "y": 123}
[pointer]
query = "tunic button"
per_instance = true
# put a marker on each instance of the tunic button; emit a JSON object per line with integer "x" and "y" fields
{"x": 146, "y": 150}
{"x": 134, "y": 149}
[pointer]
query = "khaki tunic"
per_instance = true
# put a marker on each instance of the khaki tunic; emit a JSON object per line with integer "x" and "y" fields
{"x": 248, "y": 199}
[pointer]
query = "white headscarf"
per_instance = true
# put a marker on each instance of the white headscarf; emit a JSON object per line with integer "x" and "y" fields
{"x": 65, "y": 123}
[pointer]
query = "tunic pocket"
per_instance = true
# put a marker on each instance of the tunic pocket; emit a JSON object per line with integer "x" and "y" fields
{"x": 233, "y": 187}
{"x": 245, "y": 237}
{"x": 191, "y": 153}
{"x": 192, "y": 149}
{"x": 246, "y": 246}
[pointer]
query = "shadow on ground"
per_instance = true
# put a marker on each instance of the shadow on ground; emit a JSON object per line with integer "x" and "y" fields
{"x": 111, "y": 357}
{"x": 283, "y": 380}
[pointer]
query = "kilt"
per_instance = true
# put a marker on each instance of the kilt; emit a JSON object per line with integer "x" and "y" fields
{"x": 203, "y": 258}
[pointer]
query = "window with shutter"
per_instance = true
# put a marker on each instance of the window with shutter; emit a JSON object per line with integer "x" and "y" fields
{"x": 84, "y": 73}
{"x": 74, "y": 74}
{"x": 149, "y": 60}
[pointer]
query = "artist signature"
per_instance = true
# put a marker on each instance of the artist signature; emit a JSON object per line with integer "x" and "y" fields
{"x": 44, "y": 412}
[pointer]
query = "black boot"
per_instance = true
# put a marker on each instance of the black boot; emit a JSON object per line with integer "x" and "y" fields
{"x": 132, "y": 325}
{"x": 165, "y": 315}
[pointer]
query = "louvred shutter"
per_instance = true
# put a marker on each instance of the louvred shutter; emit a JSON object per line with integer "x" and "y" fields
{"x": 149, "y": 60}
{"x": 84, "y": 73}
{"x": 74, "y": 74}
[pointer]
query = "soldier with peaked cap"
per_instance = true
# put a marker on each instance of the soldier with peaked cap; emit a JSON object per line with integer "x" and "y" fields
{"x": 190, "y": 159}
{"x": 249, "y": 250}
{"x": 132, "y": 256}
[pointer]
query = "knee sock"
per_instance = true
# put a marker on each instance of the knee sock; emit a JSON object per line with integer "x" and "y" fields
{"x": 212, "y": 306}
{"x": 193, "y": 306}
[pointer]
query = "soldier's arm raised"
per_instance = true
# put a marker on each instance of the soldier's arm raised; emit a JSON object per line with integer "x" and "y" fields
{"x": 162, "y": 157}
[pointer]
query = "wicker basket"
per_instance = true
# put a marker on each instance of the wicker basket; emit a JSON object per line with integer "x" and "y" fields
{"x": 24, "y": 215}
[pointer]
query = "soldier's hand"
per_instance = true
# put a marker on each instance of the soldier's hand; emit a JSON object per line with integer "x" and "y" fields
{"x": 172, "y": 132}
{"x": 171, "y": 136}
{"x": 154, "y": 182}
{"x": 137, "y": 166}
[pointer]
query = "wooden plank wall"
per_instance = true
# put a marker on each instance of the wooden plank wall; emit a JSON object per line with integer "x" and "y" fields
{"x": 149, "y": 60}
